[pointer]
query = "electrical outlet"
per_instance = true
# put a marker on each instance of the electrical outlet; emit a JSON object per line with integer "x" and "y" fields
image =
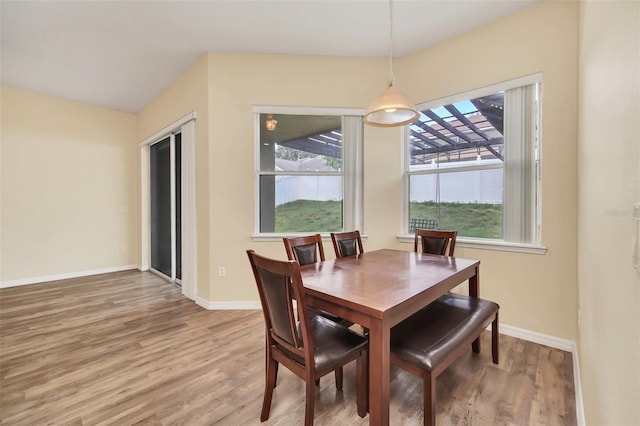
{"x": 222, "y": 271}
{"x": 123, "y": 246}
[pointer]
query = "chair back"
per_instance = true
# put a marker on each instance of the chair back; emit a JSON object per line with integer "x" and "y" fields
{"x": 347, "y": 243}
{"x": 435, "y": 242}
{"x": 283, "y": 305}
{"x": 304, "y": 249}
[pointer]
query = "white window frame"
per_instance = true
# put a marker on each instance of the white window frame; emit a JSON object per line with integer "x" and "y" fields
{"x": 352, "y": 168}
{"x": 534, "y": 247}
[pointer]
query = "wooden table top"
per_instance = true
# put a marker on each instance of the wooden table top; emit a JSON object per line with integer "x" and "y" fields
{"x": 380, "y": 281}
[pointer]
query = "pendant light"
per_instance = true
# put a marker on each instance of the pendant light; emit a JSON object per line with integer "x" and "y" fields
{"x": 271, "y": 123}
{"x": 392, "y": 107}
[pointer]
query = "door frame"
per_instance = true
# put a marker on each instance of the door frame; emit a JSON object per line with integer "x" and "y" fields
{"x": 185, "y": 126}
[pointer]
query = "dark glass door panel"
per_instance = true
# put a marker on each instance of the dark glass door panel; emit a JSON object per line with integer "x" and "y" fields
{"x": 160, "y": 180}
{"x": 178, "y": 149}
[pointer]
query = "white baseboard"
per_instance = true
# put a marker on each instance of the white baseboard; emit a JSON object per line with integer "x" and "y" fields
{"x": 42, "y": 279}
{"x": 225, "y": 306}
{"x": 557, "y": 343}
{"x": 535, "y": 337}
{"x": 578, "y": 388}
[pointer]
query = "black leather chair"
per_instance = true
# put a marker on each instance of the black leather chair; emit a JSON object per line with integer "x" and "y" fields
{"x": 347, "y": 243}
{"x": 431, "y": 241}
{"x": 308, "y": 345}
{"x": 306, "y": 250}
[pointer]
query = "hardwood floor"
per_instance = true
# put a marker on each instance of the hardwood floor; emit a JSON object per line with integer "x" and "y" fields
{"x": 126, "y": 348}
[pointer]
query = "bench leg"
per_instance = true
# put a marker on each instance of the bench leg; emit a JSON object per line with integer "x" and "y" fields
{"x": 475, "y": 346}
{"x": 338, "y": 374}
{"x": 429, "y": 395}
{"x": 495, "y": 340}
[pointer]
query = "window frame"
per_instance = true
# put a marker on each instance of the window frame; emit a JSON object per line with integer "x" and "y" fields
{"x": 351, "y": 173}
{"x": 534, "y": 247}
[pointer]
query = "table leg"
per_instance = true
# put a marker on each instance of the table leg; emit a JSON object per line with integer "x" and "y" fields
{"x": 474, "y": 291}
{"x": 474, "y": 284}
{"x": 379, "y": 373}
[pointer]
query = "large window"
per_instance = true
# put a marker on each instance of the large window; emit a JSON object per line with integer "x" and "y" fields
{"x": 472, "y": 164}
{"x": 308, "y": 172}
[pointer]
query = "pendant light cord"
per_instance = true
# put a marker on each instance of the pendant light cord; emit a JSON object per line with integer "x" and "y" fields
{"x": 392, "y": 108}
{"x": 391, "y": 76}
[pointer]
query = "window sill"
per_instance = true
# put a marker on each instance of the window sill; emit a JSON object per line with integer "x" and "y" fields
{"x": 278, "y": 237}
{"x": 483, "y": 244}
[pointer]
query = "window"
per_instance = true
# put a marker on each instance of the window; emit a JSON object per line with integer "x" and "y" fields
{"x": 472, "y": 164}
{"x": 308, "y": 171}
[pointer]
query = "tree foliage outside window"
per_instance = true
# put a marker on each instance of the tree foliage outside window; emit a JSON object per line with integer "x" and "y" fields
{"x": 290, "y": 153}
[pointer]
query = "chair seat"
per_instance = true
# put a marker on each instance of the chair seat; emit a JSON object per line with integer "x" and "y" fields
{"x": 332, "y": 343}
{"x": 429, "y": 336}
{"x": 331, "y": 317}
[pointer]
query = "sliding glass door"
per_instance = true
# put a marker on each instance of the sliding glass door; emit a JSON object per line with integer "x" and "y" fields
{"x": 165, "y": 206}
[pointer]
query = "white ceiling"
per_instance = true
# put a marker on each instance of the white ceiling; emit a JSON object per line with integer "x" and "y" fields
{"x": 121, "y": 54}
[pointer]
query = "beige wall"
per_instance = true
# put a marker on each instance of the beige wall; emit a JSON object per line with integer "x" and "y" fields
{"x": 67, "y": 171}
{"x": 609, "y": 176}
{"x": 189, "y": 93}
{"x": 535, "y": 292}
{"x": 548, "y": 283}
{"x": 238, "y": 82}
{"x": 222, "y": 88}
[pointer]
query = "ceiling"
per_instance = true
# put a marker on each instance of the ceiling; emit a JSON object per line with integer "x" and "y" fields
{"x": 121, "y": 54}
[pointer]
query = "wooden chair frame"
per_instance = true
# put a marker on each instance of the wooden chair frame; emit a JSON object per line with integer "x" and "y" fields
{"x": 422, "y": 237}
{"x": 292, "y": 246}
{"x": 291, "y": 243}
{"x": 337, "y": 237}
{"x": 297, "y": 352}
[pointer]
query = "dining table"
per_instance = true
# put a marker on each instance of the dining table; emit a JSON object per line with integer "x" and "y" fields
{"x": 379, "y": 289}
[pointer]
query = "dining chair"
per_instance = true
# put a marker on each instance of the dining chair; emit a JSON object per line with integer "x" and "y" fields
{"x": 308, "y": 345}
{"x": 347, "y": 243}
{"x": 431, "y": 241}
{"x": 306, "y": 250}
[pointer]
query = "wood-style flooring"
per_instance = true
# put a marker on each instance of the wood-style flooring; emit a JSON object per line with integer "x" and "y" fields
{"x": 127, "y": 349}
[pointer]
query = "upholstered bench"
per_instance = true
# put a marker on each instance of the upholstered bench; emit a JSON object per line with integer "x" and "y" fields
{"x": 429, "y": 341}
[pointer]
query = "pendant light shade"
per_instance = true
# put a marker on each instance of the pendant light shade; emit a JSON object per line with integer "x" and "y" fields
{"x": 392, "y": 107}
{"x": 271, "y": 123}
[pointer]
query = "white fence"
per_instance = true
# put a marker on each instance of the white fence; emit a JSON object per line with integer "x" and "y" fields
{"x": 476, "y": 186}
{"x": 317, "y": 188}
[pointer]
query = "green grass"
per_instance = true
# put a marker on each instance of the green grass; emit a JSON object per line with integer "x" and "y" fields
{"x": 309, "y": 216}
{"x": 470, "y": 220}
